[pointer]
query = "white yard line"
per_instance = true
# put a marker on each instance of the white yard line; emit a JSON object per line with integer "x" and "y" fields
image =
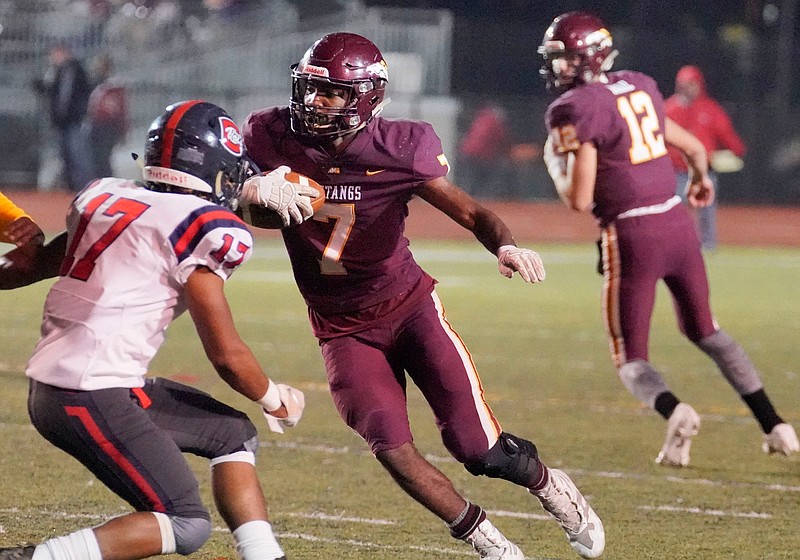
{"x": 339, "y": 517}
{"x": 371, "y": 545}
{"x": 329, "y": 450}
{"x": 713, "y": 512}
{"x": 346, "y": 450}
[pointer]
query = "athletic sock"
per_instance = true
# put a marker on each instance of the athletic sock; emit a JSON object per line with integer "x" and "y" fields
{"x": 763, "y": 410}
{"x": 80, "y": 545}
{"x": 466, "y": 522}
{"x": 255, "y": 541}
{"x": 540, "y": 478}
{"x": 665, "y": 404}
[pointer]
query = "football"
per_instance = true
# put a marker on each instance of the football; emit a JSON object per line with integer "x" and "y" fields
{"x": 261, "y": 217}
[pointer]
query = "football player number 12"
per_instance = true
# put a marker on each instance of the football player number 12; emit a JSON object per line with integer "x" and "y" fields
{"x": 637, "y": 109}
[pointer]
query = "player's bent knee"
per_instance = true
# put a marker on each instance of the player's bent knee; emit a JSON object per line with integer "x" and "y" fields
{"x": 190, "y": 533}
{"x": 511, "y": 458}
{"x": 183, "y": 535}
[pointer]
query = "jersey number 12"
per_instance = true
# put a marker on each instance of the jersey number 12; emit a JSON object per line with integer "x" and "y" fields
{"x": 647, "y": 142}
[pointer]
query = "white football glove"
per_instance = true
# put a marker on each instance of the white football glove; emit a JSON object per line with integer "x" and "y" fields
{"x": 291, "y": 201}
{"x": 294, "y": 401}
{"x": 528, "y": 263}
{"x": 556, "y": 163}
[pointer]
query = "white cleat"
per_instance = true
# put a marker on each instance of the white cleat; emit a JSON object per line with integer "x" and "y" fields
{"x": 782, "y": 439}
{"x": 490, "y": 544}
{"x": 682, "y": 426}
{"x": 562, "y": 499}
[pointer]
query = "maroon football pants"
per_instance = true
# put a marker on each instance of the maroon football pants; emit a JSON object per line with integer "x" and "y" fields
{"x": 367, "y": 379}
{"x": 637, "y": 253}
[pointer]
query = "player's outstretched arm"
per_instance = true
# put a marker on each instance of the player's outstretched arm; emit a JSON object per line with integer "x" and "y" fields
{"x": 231, "y": 357}
{"x": 487, "y": 227}
{"x": 32, "y": 263}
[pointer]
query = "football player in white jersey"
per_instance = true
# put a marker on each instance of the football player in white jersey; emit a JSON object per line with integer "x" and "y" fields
{"x": 137, "y": 256}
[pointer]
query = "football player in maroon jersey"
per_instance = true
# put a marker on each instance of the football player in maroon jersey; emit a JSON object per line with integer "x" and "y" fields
{"x": 607, "y": 154}
{"x": 376, "y": 312}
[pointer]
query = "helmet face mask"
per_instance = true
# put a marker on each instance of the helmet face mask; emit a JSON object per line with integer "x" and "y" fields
{"x": 350, "y": 72}
{"x": 577, "y": 48}
{"x": 332, "y": 119}
{"x": 195, "y": 147}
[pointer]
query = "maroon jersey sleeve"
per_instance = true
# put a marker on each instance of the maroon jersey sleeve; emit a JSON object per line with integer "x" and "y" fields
{"x": 624, "y": 120}
{"x": 353, "y": 253}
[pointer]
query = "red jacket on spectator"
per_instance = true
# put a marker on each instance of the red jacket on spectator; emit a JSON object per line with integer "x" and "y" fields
{"x": 694, "y": 110}
{"x": 487, "y": 138}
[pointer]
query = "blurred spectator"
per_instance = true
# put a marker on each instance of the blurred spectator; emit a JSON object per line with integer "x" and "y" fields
{"x": 107, "y": 115}
{"x": 484, "y": 153}
{"x": 693, "y": 109}
{"x": 66, "y": 88}
{"x": 488, "y": 157}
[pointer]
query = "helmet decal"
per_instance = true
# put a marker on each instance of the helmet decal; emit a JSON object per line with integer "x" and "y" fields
{"x": 313, "y": 70}
{"x": 380, "y": 69}
{"x": 230, "y": 137}
{"x": 601, "y": 38}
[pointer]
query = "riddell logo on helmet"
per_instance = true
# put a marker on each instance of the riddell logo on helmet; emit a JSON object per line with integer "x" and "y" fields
{"x": 231, "y": 138}
{"x": 164, "y": 175}
{"x": 315, "y": 70}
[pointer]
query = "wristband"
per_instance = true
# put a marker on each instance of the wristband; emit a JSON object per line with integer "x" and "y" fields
{"x": 504, "y": 248}
{"x": 271, "y": 401}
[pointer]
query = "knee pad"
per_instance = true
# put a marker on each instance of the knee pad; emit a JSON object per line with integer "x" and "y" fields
{"x": 183, "y": 535}
{"x": 246, "y": 454}
{"x": 511, "y": 458}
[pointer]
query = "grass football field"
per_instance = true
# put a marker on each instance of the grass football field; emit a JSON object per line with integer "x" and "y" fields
{"x": 544, "y": 362}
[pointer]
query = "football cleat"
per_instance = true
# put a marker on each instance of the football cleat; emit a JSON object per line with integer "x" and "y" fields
{"x": 782, "y": 439}
{"x": 562, "y": 499}
{"x": 19, "y": 553}
{"x": 490, "y": 544}
{"x": 682, "y": 426}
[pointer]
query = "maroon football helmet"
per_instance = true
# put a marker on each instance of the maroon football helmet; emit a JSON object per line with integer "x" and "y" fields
{"x": 584, "y": 42}
{"x": 345, "y": 61}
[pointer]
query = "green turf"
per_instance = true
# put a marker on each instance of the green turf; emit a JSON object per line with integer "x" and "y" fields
{"x": 544, "y": 362}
